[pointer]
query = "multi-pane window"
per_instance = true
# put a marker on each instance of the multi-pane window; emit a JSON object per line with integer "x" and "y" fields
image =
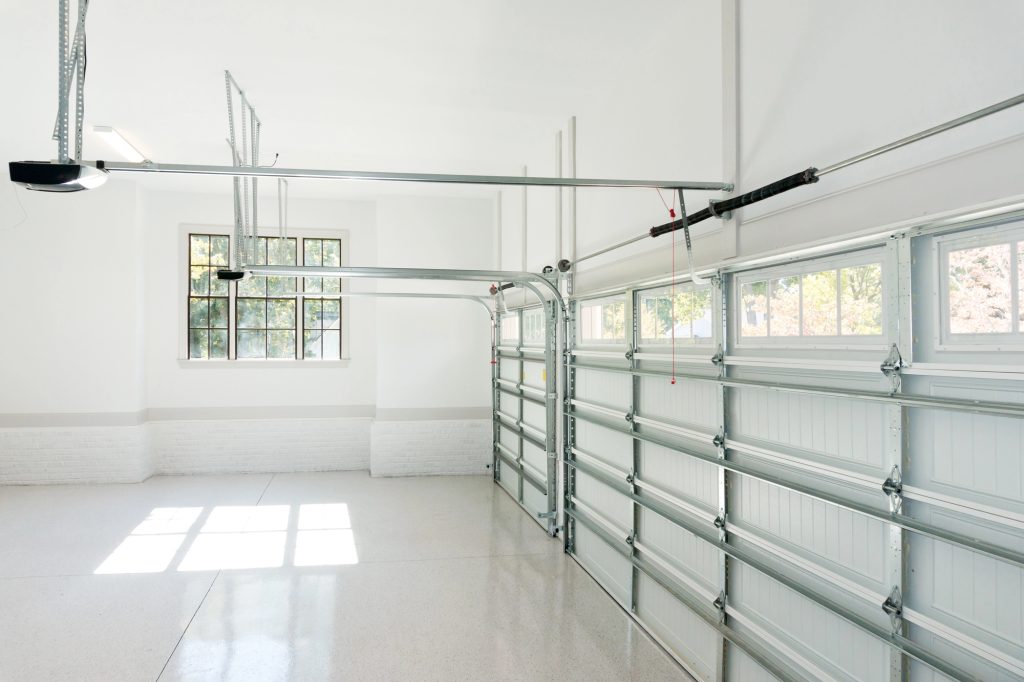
{"x": 602, "y": 320}
{"x": 689, "y": 310}
{"x": 837, "y": 302}
{"x": 264, "y": 317}
{"x": 321, "y": 335}
{"x": 982, "y": 283}
{"x": 266, "y": 326}
{"x": 208, "y": 297}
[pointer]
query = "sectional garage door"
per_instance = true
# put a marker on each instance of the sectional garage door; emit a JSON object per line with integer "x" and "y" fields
{"x": 526, "y": 410}
{"x": 824, "y": 479}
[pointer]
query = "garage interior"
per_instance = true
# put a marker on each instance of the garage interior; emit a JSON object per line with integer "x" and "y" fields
{"x": 490, "y": 341}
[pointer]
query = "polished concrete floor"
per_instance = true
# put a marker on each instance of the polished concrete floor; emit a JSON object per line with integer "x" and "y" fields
{"x": 323, "y": 576}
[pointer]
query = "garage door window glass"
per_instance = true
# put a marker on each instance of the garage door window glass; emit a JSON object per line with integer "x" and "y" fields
{"x": 692, "y": 315}
{"x": 981, "y": 288}
{"x": 533, "y": 327}
{"x": 836, "y": 303}
{"x": 510, "y": 328}
{"x": 602, "y": 321}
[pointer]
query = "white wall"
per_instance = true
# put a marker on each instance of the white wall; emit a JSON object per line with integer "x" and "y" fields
{"x": 449, "y": 366}
{"x": 653, "y": 110}
{"x": 100, "y": 390}
{"x": 820, "y": 82}
{"x": 68, "y": 270}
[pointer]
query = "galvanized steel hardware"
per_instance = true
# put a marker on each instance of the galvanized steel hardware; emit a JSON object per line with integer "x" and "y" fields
{"x": 893, "y": 488}
{"x": 892, "y": 366}
{"x": 893, "y": 607}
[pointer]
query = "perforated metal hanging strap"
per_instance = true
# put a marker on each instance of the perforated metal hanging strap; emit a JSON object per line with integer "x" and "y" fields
{"x": 686, "y": 235}
{"x": 237, "y": 252}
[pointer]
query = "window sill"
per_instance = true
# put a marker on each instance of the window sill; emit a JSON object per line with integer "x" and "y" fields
{"x": 263, "y": 364}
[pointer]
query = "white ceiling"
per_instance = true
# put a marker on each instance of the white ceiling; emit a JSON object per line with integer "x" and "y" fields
{"x": 442, "y": 86}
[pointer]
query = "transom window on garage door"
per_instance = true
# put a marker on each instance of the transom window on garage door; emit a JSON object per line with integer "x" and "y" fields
{"x": 981, "y": 277}
{"x": 689, "y": 310}
{"x": 825, "y": 301}
{"x": 264, "y": 318}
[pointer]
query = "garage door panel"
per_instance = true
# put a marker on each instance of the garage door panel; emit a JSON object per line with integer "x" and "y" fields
{"x": 610, "y": 504}
{"x": 604, "y": 388}
{"x": 980, "y": 669}
{"x": 535, "y": 416}
{"x": 979, "y": 595}
{"x": 509, "y": 439}
{"x": 687, "y": 403}
{"x": 535, "y": 457}
{"x": 688, "y": 478}
{"x": 842, "y": 541}
{"x": 808, "y": 628}
{"x": 534, "y": 500}
{"x": 509, "y": 370}
{"x": 509, "y": 480}
{"x": 682, "y": 550}
{"x": 743, "y": 668}
{"x": 976, "y": 456}
{"x": 839, "y": 429}
{"x": 611, "y": 447}
{"x": 682, "y": 630}
{"x": 534, "y": 375}
{"x": 611, "y": 568}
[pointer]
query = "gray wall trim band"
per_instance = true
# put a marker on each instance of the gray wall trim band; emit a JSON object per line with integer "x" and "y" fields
{"x": 397, "y": 414}
{"x": 71, "y": 419}
{"x": 160, "y": 414}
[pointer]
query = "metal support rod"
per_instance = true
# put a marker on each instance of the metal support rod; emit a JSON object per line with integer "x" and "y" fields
{"x": 482, "y": 300}
{"x": 907, "y": 399}
{"x": 558, "y": 197}
{"x": 526, "y": 279}
{"x": 63, "y": 75}
{"x": 613, "y": 247}
{"x": 511, "y": 180}
{"x": 897, "y": 520}
{"x": 809, "y": 176}
{"x": 570, "y": 283}
{"x": 524, "y": 225}
{"x": 768, "y": 658}
{"x": 916, "y": 137}
{"x": 753, "y": 560}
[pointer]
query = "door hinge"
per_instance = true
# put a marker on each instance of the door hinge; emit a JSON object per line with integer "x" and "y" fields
{"x": 893, "y": 606}
{"x": 893, "y": 488}
{"x": 892, "y": 366}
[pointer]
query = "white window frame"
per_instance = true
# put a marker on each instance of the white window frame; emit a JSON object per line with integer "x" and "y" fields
{"x": 602, "y": 343}
{"x": 654, "y": 345}
{"x": 799, "y": 269}
{"x": 944, "y": 339}
{"x": 184, "y": 230}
